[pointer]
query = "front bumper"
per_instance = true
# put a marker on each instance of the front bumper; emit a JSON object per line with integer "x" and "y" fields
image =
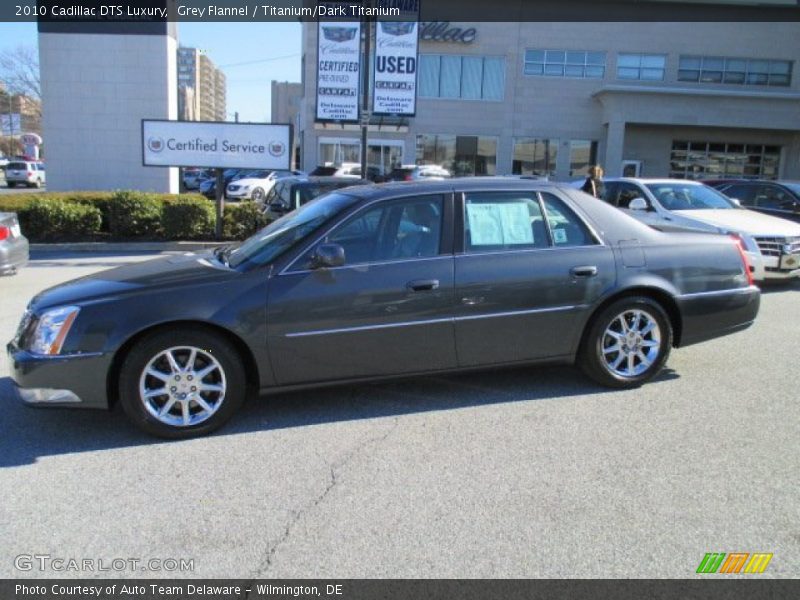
{"x": 77, "y": 380}
{"x": 237, "y": 195}
{"x": 785, "y": 266}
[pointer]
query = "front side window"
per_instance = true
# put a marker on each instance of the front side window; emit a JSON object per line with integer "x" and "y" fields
{"x": 288, "y": 231}
{"x": 534, "y": 156}
{"x": 394, "y": 230}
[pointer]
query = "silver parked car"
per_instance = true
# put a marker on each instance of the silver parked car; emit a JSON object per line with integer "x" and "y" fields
{"x": 13, "y": 245}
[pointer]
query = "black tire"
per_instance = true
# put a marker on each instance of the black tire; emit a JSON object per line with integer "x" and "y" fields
{"x": 37, "y": 184}
{"x": 258, "y": 195}
{"x": 597, "y": 355}
{"x": 228, "y": 374}
{"x": 11, "y": 184}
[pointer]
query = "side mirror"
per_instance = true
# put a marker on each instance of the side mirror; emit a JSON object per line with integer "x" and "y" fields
{"x": 327, "y": 256}
{"x": 638, "y": 204}
{"x": 736, "y": 201}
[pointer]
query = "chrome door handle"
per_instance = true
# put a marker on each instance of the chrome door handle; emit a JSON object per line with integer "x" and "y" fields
{"x": 423, "y": 285}
{"x": 583, "y": 271}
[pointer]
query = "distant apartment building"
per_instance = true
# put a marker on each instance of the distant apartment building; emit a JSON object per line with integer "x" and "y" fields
{"x": 201, "y": 87}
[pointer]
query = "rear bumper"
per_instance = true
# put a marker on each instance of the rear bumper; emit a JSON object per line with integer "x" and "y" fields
{"x": 707, "y": 315}
{"x": 77, "y": 380}
{"x": 13, "y": 255}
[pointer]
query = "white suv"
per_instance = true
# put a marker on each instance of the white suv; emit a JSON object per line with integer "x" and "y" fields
{"x": 25, "y": 173}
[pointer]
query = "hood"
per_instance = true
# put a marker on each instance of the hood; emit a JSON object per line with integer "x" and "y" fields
{"x": 743, "y": 221}
{"x": 162, "y": 273}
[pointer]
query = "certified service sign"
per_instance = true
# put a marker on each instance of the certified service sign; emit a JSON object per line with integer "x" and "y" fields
{"x": 216, "y": 145}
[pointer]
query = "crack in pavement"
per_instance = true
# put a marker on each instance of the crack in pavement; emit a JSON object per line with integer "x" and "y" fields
{"x": 266, "y": 562}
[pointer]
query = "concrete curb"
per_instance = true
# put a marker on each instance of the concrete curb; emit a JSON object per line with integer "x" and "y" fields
{"x": 121, "y": 247}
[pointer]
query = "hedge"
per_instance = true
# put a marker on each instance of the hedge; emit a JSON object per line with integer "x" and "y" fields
{"x": 57, "y": 220}
{"x": 127, "y": 215}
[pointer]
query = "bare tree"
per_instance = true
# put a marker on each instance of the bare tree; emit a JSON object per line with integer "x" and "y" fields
{"x": 19, "y": 71}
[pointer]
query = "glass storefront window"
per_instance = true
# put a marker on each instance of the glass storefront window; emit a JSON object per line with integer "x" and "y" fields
{"x": 582, "y": 155}
{"x": 462, "y": 155}
{"x": 534, "y": 156}
{"x": 718, "y": 160}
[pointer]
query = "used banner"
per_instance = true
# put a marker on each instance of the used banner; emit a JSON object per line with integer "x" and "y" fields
{"x": 338, "y": 66}
{"x": 396, "y": 60}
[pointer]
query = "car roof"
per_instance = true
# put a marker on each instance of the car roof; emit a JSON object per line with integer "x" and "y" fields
{"x": 439, "y": 186}
{"x": 323, "y": 179}
{"x": 656, "y": 180}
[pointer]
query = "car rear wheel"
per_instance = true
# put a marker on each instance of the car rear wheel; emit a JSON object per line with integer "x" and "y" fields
{"x": 627, "y": 344}
{"x": 11, "y": 184}
{"x": 180, "y": 383}
{"x": 258, "y": 195}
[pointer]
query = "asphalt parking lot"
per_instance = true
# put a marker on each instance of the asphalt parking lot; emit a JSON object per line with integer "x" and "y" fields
{"x": 510, "y": 473}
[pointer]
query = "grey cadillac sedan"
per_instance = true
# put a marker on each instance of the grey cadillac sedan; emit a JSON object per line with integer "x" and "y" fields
{"x": 383, "y": 281}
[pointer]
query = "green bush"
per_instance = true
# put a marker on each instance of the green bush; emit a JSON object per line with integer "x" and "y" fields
{"x": 53, "y": 220}
{"x": 188, "y": 218}
{"x": 242, "y": 220}
{"x": 135, "y": 214}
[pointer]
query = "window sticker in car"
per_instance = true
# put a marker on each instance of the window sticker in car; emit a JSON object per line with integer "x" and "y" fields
{"x": 559, "y": 236}
{"x": 498, "y": 224}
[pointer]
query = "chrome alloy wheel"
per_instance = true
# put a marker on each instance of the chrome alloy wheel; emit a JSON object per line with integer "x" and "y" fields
{"x": 182, "y": 386}
{"x": 631, "y": 343}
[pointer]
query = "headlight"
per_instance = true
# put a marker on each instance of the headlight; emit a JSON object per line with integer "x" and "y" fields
{"x": 52, "y": 330}
{"x": 748, "y": 243}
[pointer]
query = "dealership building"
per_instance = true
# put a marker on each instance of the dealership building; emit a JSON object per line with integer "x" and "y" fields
{"x": 694, "y": 100}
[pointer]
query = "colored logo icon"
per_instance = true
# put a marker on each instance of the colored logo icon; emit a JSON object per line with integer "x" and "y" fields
{"x": 155, "y": 144}
{"x": 277, "y": 148}
{"x": 734, "y": 563}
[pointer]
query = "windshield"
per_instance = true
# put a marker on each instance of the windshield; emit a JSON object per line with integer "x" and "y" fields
{"x": 794, "y": 187}
{"x": 287, "y": 231}
{"x": 687, "y": 196}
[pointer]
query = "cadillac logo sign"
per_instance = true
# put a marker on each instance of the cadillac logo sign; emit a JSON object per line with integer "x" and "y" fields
{"x": 339, "y": 34}
{"x": 277, "y": 149}
{"x": 155, "y": 144}
{"x": 397, "y": 28}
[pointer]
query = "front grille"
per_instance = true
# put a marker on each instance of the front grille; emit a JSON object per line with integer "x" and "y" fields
{"x": 773, "y": 245}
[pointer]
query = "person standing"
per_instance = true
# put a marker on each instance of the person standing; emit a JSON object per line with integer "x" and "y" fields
{"x": 594, "y": 185}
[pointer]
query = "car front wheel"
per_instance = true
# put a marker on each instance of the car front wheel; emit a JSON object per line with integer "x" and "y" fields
{"x": 258, "y": 195}
{"x": 627, "y": 344}
{"x": 180, "y": 383}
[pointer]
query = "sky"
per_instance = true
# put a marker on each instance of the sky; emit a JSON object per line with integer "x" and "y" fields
{"x": 270, "y": 51}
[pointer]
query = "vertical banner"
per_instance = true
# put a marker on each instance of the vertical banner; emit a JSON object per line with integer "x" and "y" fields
{"x": 338, "y": 64}
{"x": 396, "y": 61}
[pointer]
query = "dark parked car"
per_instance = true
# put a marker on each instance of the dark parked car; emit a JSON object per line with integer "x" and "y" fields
{"x": 776, "y": 198}
{"x": 383, "y": 281}
{"x": 293, "y": 192}
{"x": 13, "y": 245}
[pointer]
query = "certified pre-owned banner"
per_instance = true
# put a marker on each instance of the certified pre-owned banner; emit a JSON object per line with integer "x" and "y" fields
{"x": 396, "y": 62}
{"x": 338, "y": 65}
{"x": 216, "y": 145}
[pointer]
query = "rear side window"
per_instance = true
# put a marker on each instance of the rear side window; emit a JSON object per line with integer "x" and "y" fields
{"x": 565, "y": 226}
{"x": 497, "y": 221}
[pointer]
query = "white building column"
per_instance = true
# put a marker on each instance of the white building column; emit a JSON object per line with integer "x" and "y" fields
{"x": 615, "y": 144}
